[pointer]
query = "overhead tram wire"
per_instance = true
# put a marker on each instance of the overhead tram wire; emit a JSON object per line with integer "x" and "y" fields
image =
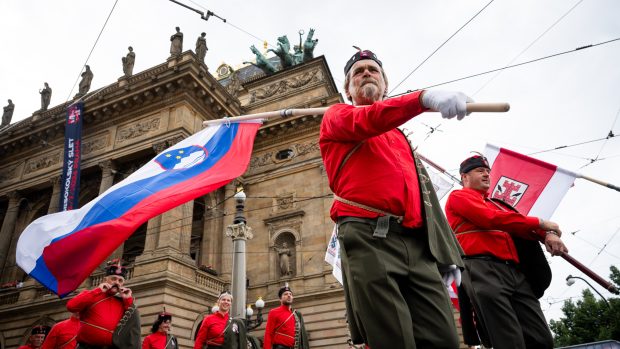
{"x": 609, "y": 135}
{"x": 234, "y": 26}
{"x": 440, "y": 46}
{"x": 91, "y": 51}
{"x": 511, "y": 66}
{"x": 529, "y": 46}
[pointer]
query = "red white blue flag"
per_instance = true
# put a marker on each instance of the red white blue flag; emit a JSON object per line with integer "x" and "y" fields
{"x": 533, "y": 187}
{"x": 61, "y": 250}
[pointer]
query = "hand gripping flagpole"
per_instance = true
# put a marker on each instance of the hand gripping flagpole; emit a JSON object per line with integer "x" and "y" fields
{"x": 284, "y": 113}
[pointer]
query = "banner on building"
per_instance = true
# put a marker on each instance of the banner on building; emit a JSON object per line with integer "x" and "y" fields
{"x": 70, "y": 180}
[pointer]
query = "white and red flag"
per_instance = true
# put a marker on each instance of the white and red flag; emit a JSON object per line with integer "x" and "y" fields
{"x": 532, "y": 186}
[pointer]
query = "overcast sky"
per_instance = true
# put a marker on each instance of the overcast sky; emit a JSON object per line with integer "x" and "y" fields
{"x": 559, "y": 101}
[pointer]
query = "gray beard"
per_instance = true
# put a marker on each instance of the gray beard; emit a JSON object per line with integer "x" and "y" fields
{"x": 370, "y": 91}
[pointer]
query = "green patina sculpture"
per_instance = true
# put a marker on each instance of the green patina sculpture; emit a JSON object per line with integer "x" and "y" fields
{"x": 309, "y": 46}
{"x": 283, "y": 51}
{"x": 302, "y": 53}
{"x": 262, "y": 62}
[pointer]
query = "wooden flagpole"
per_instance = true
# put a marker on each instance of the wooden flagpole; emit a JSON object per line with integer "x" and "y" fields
{"x": 284, "y": 113}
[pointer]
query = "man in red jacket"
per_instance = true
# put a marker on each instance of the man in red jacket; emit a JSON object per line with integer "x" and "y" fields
{"x": 63, "y": 334}
{"x": 392, "y": 233}
{"x": 285, "y": 326}
{"x": 37, "y": 336}
{"x": 101, "y": 309}
{"x": 490, "y": 232}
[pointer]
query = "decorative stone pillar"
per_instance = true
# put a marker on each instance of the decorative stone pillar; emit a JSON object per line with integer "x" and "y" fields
{"x": 54, "y": 201}
{"x": 211, "y": 248}
{"x": 8, "y": 227}
{"x": 108, "y": 169}
{"x": 227, "y": 244}
{"x": 170, "y": 232}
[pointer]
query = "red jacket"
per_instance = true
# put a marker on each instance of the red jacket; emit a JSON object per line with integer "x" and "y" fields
{"x": 63, "y": 335}
{"x": 157, "y": 340}
{"x": 381, "y": 172}
{"x": 280, "y": 327}
{"x": 99, "y": 315}
{"x": 212, "y": 330}
{"x": 484, "y": 227}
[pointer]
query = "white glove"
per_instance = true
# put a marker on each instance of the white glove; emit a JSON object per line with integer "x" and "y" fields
{"x": 450, "y": 274}
{"x": 449, "y": 104}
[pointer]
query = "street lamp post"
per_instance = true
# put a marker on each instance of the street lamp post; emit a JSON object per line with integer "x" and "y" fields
{"x": 570, "y": 280}
{"x": 252, "y": 324}
{"x": 239, "y": 232}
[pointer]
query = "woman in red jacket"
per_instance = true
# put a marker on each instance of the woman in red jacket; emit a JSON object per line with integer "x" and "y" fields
{"x": 160, "y": 337}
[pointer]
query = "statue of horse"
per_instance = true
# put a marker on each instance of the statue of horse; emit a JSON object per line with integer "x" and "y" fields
{"x": 262, "y": 62}
{"x": 284, "y": 46}
{"x": 309, "y": 46}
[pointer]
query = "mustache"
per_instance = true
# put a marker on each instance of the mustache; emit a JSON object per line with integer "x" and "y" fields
{"x": 370, "y": 80}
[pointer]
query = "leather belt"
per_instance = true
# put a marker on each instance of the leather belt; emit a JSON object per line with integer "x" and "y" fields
{"x": 394, "y": 226}
{"x": 488, "y": 258}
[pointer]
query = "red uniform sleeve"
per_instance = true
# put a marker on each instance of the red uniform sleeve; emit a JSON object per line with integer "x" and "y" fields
{"x": 146, "y": 344}
{"x": 83, "y": 300}
{"x": 473, "y": 208}
{"x": 127, "y": 302}
{"x": 343, "y": 122}
{"x": 269, "y": 329}
{"x": 51, "y": 339}
{"x": 202, "y": 333}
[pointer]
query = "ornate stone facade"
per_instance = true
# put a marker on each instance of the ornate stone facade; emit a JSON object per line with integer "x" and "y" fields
{"x": 182, "y": 259}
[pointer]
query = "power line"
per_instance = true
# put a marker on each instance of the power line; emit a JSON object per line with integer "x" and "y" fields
{"x": 530, "y": 45}
{"x": 610, "y": 135}
{"x": 91, "y": 51}
{"x": 235, "y": 26}
{"x": 511, "y": 66}
{"x": 440, "y": 46}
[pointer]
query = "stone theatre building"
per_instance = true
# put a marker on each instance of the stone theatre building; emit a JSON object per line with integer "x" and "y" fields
{"x": 182, "y": 259}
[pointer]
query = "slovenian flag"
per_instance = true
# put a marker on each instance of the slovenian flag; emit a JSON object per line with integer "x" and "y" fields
{"x": 533, "y": 187}
{"x": 61, "y": 250}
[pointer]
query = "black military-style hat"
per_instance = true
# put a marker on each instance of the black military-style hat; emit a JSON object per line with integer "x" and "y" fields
{"x": 284, "y": 289}
{"x": 472, "y": 163}
{"x": 163, "y": 316}
{"x": 41, "y": 329}
{"x": 116, "y": 268}
{"x": 361, "y": 55}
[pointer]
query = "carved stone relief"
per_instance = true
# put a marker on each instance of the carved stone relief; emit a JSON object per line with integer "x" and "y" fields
{"x": 284, "y": 86}
{"x": 95, "y": 144}
{"x": 138, "y": 129}
{"x": 284, "y": 202}
{"x": 42, "y": 162}
{"x": 10, "y": 173}
{"x": 269, "y": 158}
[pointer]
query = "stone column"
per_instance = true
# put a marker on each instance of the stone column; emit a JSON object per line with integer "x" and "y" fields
{"x": 211, "y": 247}
{"x": 54, "y": 201}
{"x": 8, "y": 227}
{"x": 227, "y": 244}
{"x": 108, "y": 169}
{"x": 170, "y": 232}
